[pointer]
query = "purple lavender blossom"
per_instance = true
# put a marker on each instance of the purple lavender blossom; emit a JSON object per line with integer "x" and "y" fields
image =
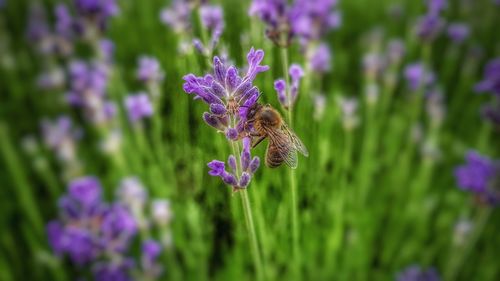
{"x": 491, "y": 78}
{"x": 227, "y": 89}
{"x": 177, "y": 16}
{"x": 458, "y": 32}
{"x": 64, "y": 25}
{"x": 320, "y": 61}
{"x": 86, "y": 191}
{"x": 60, "y": 136}
{"x": 436, "y": 6}
{"x": 248, "y": 166}
{"x": 96, "y": 12}
{"x": 113, "y": 270}
{"x": 311, "y": 19}
{"x": 287, "y": 101}
{"x": 138, "y": 107}
{"x": 149, "y": 70}
{"x": 480, "y": 175}
{"x": 429, "y": 27}
{"x": 306, "y": 19}
{"x": 416, "y": 273}
{"x": 417, "y": 76}
{"x": 230, "y": 97}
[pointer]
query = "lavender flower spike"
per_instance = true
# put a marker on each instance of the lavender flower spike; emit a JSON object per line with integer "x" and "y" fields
{"x": 138, "y": 106}
{"x": 458, "y": 32}
{"x": 296, "y": 73}
{"x": 480, "y": 175}
{"x": 491, "y": 80}
{"x": 149, "y": 70}
{"x": 416, "y": 273}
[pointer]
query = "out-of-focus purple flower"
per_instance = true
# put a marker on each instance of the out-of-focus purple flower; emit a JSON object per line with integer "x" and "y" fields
{"x": 118, "y": 225}
{"x": 60, "y": 136}
{"x": 138, "y": 106}
{"x": 417, "y": 76}
{"x": 436, "y": 6}
{"x": 64, "y": 25}
{"x": 151, "y": 250}
{"x": 458, "y": 32}
{"x": 287, "y": 101}
{"x": 106, "y": 49}
{"x": 311, "y": 19}
{"x": 79, "y": 244}
{"x": 429, "y": 27}
{"x": 55, "y": 232}
{"x": 51, "y": 79}
{"x": 306, "y": 19}
{"x": 212, "y": 17}
{"x": 149, "y": 70}
{"x": 480, "y": 175}
{"x": 416, "y": 273}
{"x": 86, "y": 191}
{"x": 320, "y": 61}
{"x": 96, "y": 11}
{"x": 373, "y": 64}
{"x": 177, "y": 16}
{"x": 491, "y": 78}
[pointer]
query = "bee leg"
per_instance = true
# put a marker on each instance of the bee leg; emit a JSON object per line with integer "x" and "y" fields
{"x": 259, "y": 140}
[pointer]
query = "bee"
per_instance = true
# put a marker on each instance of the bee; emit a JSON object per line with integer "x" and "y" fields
{"x": 283, "y": 143}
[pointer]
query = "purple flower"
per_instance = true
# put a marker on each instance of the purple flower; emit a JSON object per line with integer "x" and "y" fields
{"x": 479, "y": 175}
{"x": 79, "y": 244}
{"x": 491, "y": 78}
{"x": 320, "y": 59}
{"x": 436, "y": 6}
{"x": 161, "y": 212}
{"x": 395, "y": 51}
{"x": 132, "y": 193}
{"x": 429, "y": 27}
{"x": 149, "y": 70}
{"x": 119, "y": 226}
{"x": 212, "y": 17}
{"x": 97, "y": 10}
{"x": 276, "y": 15}
{"x": 247, "y": 164}
{"x": 458, "y": 32}
{"x": 296, "y": 73}
{"x": 177, "y": 16}
{"x": 416, "y": 273}
{"x": 86, "y": 191}
{"x": 225, "y": 88}
{"x": 60, "y": 136}
{"x": 311, "y": 19}
{"x": 64, "y": 24}
{"x": 138, "y": 106}
{"x": 417, "y": 76}
{"x": 151, "y": 250}
{"x": 55, "y": 232}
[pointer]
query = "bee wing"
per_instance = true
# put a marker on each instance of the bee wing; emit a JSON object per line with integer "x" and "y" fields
{"x": 297, "y": 143}
{"x": 281, "y": 147}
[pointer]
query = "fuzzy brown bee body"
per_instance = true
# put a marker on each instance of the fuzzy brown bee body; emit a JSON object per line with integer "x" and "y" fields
{"x": 283, "y": 143}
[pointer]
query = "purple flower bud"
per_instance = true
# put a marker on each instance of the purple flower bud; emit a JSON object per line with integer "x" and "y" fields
{"x": 231, "y": 160}
{"x": 254, "y": 164}
{"x": 198, "y": 46}
{"x": 280, "y": 87}
{"x": 458, "y": 32}
{"x": 213, "y": 121}
{"x": 232, "y": 134}
{"x": 217, "y": 168}
{"x": 477, "y": 174}
{"x": 417, "y": 76}
{"x": 212, "y": 17}
{"x": 217, "y": 109}
{"x": 55, "y": 233}
{"x": 177, "y": 16}
{"x": 138, "y": 106}
{"x": 229, "y": 179}
{"x": 296, "y": 72}
{"x": 254, "y": 59}
{"x": 491, "y": 78}
{"x": 429, "y": 26}
{"x": 244, "y": 180}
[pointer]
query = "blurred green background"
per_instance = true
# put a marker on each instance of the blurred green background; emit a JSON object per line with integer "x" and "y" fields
{"x": 372, "y": 199}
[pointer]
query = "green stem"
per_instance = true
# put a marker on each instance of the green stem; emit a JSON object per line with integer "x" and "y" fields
{"x": 248, "y": 214}
{"x": 293, "y": 183}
